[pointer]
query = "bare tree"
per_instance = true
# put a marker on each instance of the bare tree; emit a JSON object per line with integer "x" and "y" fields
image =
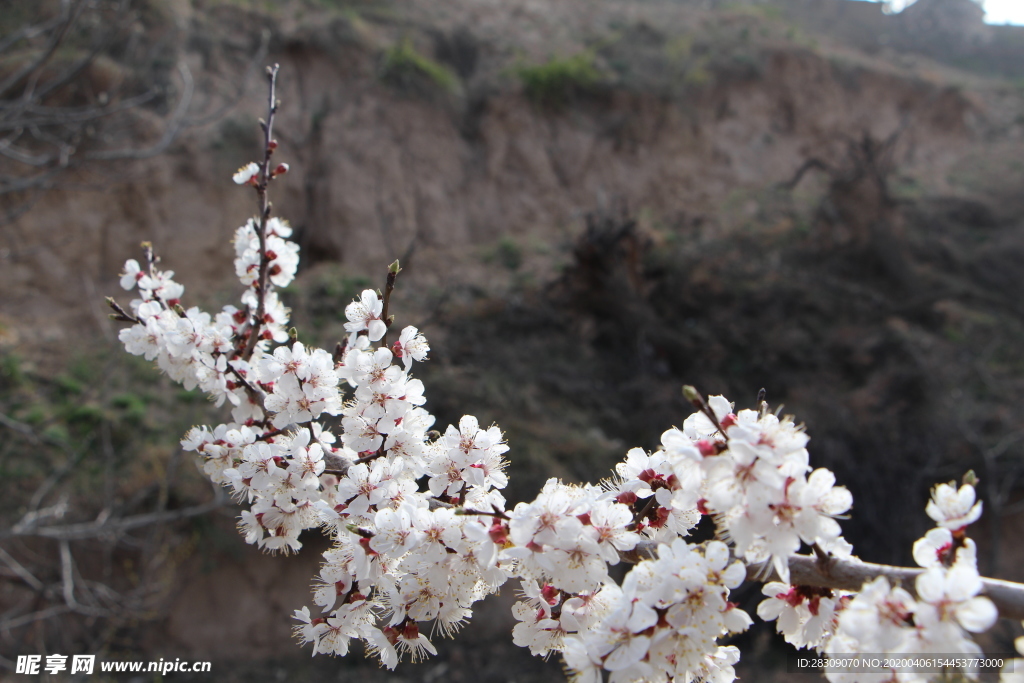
{"x": 88, "y": 82}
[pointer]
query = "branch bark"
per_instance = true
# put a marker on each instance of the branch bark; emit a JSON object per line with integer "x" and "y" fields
{"x": 852, "y": 574}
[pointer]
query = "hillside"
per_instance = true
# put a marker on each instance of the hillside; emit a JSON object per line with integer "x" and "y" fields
{"x": 594, "y": 202}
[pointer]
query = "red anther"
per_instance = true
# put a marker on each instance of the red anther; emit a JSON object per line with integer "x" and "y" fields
{"x": 585, "y": 518}
{"x": 626, "y": 498}
{"x": 707, "y": 447}
{"x": 550, "y": 594}
{"x": 728, "y": 421}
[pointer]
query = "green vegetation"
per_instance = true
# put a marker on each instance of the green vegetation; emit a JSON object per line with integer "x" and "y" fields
{"x": 97, "y": 410}
{"x": 506, "y": 253}
{"x": 558, "y": 80}
{"x": 319, "y": 303}
{"x": 406, "y": 68}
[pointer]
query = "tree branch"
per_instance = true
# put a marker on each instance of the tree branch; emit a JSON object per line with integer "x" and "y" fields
{"x": 852, "y": 574}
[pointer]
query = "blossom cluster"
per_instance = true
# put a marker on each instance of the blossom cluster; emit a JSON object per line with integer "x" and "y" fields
{"x": 664, "y": 623}
{"x": 391, "y": 493}
{"x": 948, "y": 608}
{"x": 421, "y": 531}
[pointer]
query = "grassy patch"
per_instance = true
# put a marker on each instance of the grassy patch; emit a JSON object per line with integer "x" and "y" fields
{"x": 404, "y": 67}
{"x": 506, "y": 253}
{"x": 558, "y": 80}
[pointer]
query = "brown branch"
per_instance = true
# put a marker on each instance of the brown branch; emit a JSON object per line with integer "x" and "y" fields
{"x": 651, "y": 503}
{"x": 852, "y": 574}
{"x": 75, "y": 532}
{"x": 170, "y": 132}
{"x": 69, "y": 16}
{"x": 266, "y": 175}
{"x": 393, "y": 270}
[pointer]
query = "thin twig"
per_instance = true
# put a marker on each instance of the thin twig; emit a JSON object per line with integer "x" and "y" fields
{"x": 75, "y": 532}
{"x": 20, "y": 570}
{"x": 393, "y": 270}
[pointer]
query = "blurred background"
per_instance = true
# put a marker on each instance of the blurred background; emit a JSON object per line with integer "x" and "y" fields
{"x": 594, "y": 202}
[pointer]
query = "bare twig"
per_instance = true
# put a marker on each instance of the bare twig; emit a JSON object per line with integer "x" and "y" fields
{"x": 106, "y": 527}
{"x": 170, "y": 132}
{"x": 20, "y": 570}
{"x": 15, "y": 622}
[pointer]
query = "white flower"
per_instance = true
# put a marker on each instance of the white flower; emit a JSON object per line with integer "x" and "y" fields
{"x": 411, "y": 346}
{"x": 951, "y": 508}
{"x": 879, "y": 619}
{"x": 536, "y": 629}
{"x": 132, "y": 275}
{"x": 805, "y": 615}
{"x": 608, "y": 522}
{"x": 246, "y": 173}
{"x": 934, "y": 549}
{"x": 364, "y": 314}
{"x": 949, "y": 596}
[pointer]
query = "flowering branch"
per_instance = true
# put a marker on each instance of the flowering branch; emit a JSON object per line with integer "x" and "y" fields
{"x": 421, "y": 530}
{"x": 266, "y": 175}
{"x": 851, "y": 574}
